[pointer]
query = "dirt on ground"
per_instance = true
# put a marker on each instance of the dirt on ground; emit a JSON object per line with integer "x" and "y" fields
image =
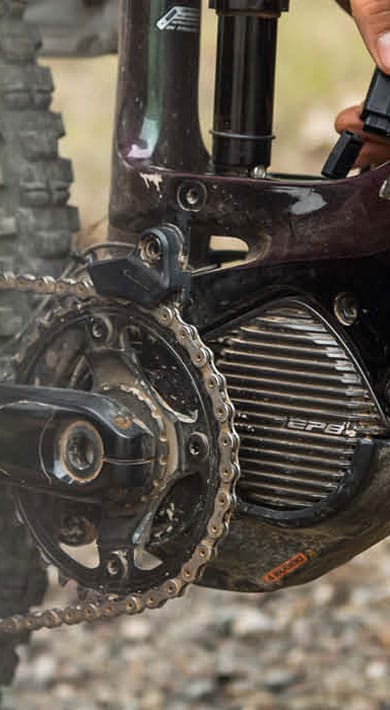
{"x": 324, "y": 646}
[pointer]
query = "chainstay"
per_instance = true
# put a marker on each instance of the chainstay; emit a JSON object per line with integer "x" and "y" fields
{"x": 98, "y": 607}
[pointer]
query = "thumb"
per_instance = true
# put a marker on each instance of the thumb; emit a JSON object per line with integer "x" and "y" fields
{"x": 373, "y": 20}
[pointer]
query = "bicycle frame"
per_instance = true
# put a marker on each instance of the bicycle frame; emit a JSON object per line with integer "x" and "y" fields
{"x": 306, "y": 237}
{"x": 159, "y": 156}
{"x": 302, "y": 233}
{"x": 296, "y": 315}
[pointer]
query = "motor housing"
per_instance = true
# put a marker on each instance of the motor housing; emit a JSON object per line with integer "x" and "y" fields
{"x": 315, "y": 483}
{"x": 303, "y": 404}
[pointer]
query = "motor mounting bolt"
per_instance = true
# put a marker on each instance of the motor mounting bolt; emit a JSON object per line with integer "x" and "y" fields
{"x": 346, "y": 309}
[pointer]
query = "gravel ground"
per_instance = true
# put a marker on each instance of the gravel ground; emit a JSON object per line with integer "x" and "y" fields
{"x": 325, "y": 646}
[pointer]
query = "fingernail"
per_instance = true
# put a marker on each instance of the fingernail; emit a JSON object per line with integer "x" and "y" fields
{"x": 384, "y": 50}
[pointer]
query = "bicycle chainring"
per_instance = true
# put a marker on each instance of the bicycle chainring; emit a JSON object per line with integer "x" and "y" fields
{"x": 155, "y": 366}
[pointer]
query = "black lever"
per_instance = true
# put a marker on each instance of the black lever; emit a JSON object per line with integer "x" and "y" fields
{"x": 343, "y": 155}
{"x": 376, "y": 109}
{"x": 376, "y": 118}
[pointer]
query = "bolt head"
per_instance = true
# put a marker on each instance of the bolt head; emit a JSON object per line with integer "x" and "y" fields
{"x": 150, "y": 248}
{"x": 198, "y": 446}
{"x": 346, "y": 309}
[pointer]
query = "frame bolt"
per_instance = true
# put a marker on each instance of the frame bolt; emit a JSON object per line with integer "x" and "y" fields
{"x": 198, "y": 446}
{"x": 192, "y": 196}
{"x": 150, "y": 248}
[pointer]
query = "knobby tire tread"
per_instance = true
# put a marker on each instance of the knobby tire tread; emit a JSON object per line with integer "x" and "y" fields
{"x": 36, "y": 228}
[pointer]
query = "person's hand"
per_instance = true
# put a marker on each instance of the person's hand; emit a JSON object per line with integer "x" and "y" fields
{"x": 375, "y": 150}
{"x": 373, "y": 20}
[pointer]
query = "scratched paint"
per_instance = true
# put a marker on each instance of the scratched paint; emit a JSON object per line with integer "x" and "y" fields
{"x": 152, "y": 180}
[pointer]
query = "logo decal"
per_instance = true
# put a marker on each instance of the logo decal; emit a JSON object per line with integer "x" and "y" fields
{"x": 286, "y": 568}
{"x": 180, "y": 19}
{"x": 341, "y": 429}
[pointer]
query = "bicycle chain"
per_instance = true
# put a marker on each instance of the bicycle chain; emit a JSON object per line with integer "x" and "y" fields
{"x": 98, "y": 606}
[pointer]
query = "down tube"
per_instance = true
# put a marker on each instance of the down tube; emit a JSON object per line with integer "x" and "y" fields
{"x": 157, "y": 120}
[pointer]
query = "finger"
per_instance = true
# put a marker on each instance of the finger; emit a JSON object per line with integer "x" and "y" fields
{"x": 375, "y": 150}
{"x": 372, "y": 154}
{"x": 349, "y": 120}
{"x": 373, "y": 19}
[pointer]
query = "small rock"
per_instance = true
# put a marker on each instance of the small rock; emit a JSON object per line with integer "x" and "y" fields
{"x": 153, "y": 700}
{"x": 278, "y": 679}
{"x": 136, "y": 629}
{"x": 44, "y": 669}
{"x": 323, "y": 594}
{"x": 252, "y": 622}
{"x": 64, "y": 691}
{"x": 260, "y": 699}
{"x": 377, "y": 669}
{"x": 200, "y": 689}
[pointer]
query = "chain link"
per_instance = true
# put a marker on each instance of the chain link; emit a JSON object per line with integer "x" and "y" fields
{"x": 99, "y": 607}
{"x": 47, "y": 285}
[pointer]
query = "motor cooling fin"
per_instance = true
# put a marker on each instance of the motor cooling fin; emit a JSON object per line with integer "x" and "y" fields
{"x": 302, "y": 407}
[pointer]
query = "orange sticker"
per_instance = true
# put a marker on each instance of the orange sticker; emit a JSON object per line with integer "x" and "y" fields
{"x": 286, "y": 568}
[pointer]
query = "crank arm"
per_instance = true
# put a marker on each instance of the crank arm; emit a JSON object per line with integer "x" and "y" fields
{"x": 56, "y": 438}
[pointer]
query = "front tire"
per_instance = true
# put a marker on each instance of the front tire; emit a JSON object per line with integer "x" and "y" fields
{"x": 36, "y": 228}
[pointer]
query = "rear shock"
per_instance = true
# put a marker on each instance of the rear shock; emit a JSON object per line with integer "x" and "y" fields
{"x": 245, "y": 83}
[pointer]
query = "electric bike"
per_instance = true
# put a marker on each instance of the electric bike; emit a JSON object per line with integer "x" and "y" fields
{"x": 196, "y": 412}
